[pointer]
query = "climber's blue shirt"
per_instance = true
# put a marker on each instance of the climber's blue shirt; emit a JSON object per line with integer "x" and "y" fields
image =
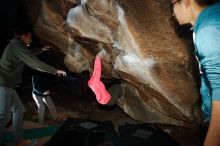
{"x": 207, "y": 44}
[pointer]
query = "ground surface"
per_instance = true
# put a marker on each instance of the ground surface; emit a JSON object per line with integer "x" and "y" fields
{"x": 69, "y": 104}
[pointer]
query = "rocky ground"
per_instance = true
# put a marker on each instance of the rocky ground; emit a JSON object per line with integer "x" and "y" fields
{"x": 69, "y": 103}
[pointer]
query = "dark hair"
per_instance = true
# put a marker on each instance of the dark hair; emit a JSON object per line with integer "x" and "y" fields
{"x": 21, "y": 31}
{"x": 206, "y": 2}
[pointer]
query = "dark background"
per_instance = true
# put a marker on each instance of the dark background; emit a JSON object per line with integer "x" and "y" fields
{"x": 12, "y": 16}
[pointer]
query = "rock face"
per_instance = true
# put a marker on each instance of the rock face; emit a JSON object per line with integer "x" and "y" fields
{"x": 141, "y": 48}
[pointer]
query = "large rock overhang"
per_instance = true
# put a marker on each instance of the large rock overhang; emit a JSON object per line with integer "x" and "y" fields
{"x": 142, "y": 48}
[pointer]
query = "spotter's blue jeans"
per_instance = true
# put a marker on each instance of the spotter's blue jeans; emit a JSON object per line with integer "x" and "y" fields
{"x": 10, "y": 103}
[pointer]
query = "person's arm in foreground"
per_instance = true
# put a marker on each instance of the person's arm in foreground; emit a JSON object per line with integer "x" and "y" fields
{"x": 209, "y": 38}
{"x": 213, "y": 135}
